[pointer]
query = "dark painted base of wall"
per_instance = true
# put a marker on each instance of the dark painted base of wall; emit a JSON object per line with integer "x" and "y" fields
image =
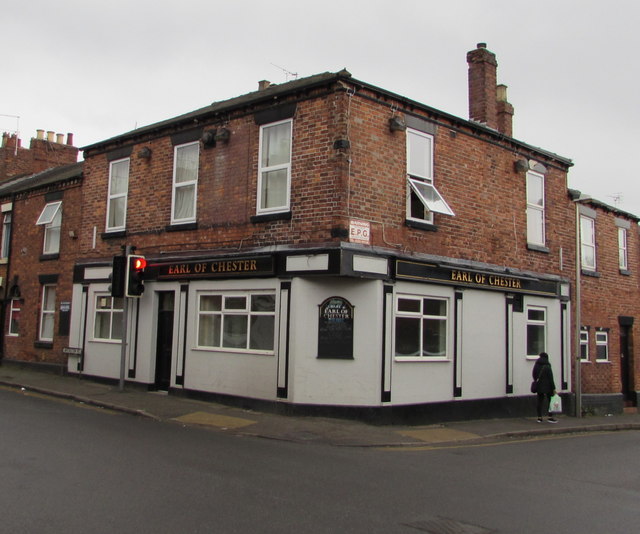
{"x": 415, "y": 414}
{"x": 44, "y": 367}
{"x": 605, "y": 404}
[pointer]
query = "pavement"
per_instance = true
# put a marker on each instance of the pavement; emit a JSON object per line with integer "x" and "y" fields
{"x": 301, "y": 429}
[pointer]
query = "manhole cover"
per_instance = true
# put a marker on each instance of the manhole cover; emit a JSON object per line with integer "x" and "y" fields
{"x": 443, "y": 525}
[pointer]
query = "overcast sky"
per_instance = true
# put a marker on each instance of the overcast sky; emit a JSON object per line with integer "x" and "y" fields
{"x": 101, "y": 68}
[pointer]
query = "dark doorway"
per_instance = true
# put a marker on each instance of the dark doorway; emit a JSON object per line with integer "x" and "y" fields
{"x": 626, "y": 363}
{"x": 164, "y": 339}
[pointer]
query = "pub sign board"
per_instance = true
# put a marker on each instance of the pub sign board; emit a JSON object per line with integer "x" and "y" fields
{"x": 335, "y": 329}
{"x": 208, "y": 268}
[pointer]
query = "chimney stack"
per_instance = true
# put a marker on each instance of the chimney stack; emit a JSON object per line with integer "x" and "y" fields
{"x": 487, "y": 100}
{"x": 263, "y": 84}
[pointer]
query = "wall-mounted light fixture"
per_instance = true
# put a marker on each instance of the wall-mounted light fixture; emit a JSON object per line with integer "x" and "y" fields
{"x": 144, "y": 153}
{"x": 209, "y": 139}
{"x": 222, "y": 135}
{"x": 522, "y": 165}
{"x": 397, "y": 124}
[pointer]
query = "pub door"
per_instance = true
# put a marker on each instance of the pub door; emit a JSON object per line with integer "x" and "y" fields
{"x": 164, "y": 339}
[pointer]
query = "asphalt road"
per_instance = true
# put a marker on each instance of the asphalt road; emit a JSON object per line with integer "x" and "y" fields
{"x": 66, "y": 468}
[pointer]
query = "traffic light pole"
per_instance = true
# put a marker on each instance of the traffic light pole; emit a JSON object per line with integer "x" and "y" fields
{"x": 123, "y": 346}
{"x": 125, "y": 312}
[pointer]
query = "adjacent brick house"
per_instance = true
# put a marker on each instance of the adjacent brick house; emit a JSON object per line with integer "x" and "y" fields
{"x": 41, "y": 218}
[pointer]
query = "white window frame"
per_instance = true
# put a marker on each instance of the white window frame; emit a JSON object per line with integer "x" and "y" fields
{"x": 51, "y": 219}
{"x": 227, "y": 312}
{"x": 47, "y": 314}
{"x": 264, "y": 168}
{"x": 535, "y": 209}
{"x": 177, "y": 185}
{"x": 623, "y": 262}
{"x": 6, "y": 235}
{"x": 420, "y": 181}
{"x": 584, "y": 345}
{"x": 602, "y": 343}
{"x": 15, "y": 308}
{"x": 536, "y": 323}
{"x": 114, "y": 198}
{"x": 587, "y": 242}
{"x": 420, "y": 315}
{"x": 111, "y": 311}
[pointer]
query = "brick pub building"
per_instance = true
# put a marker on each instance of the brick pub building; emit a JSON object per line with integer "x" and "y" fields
{"x": 328, "y": 244}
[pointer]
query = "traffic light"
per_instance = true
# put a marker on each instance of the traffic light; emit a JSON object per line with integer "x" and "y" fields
{"x": 135, "y": 275}
{"x": 117, "y": 276}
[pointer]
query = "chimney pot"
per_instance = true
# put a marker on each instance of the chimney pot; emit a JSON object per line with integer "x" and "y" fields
{"x": 70, "y": 139}
{"x": 39, "y": 134}
{"x": 481, "y": 45}
{"x": 59, "y": 138}
{"x": 50, "y": 135}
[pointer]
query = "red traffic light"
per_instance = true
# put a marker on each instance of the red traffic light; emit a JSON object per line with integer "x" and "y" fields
{"x": 139, "y": 263}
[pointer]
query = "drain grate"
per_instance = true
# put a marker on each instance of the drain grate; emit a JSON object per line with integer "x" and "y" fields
{"x": 443, "y": 525}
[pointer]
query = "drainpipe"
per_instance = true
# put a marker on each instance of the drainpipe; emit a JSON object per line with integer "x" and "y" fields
{"x": 577, "y": 365}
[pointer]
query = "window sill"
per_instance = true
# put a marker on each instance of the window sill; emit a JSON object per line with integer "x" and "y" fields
{"x": 113, "y": 235}
{"x": 240, "y": 352}
{"x": 49, "y": 257}
{"x": 421, "y": 225}
{"x": 43, "y": 344}
{"x": 267, "y": 217}
{"x": 593, "y": 274}
{"x": 182, "y": 227}
{"x": 625, "y": 272}
{"x": 538, "y": 248}
{"x": 3, "y": 261}
{"x": 603, "y": 361}
{"x": 420, "y": 359}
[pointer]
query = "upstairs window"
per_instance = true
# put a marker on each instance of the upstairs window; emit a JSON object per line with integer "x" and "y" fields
{"x": 118, "y": 190}
{"x": 588, "y": 243}
{"x": 535, "y": 209}
{"x": 423, "y": 199}
{"x": 6, "y": 236}
{"x": 622, "y": 249}
{"x": 274, "y": 173}
{"x": 185, "y": 183}
{"x": 51, "y": 219}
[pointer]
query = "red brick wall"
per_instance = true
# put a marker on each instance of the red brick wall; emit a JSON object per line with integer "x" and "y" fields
{"x": 27, "y": 243}
{"x": 41, "y": 155}
{"x": 607, "y": 297}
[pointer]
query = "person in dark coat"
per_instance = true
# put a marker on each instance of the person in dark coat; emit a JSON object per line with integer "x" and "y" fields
{"x": 546, "y": 387}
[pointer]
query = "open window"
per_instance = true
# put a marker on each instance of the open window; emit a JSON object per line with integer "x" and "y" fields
{"x": 423, "y": 199}
{"x": 51, "y": 219}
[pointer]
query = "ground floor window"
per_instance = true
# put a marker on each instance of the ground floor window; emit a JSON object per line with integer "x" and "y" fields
{"x": 14, "y": 317}
{"x": 602, "y": 346}
{"x": 47, "y": 312}
{"x": 421, "y": 325}
{"x": 584, "y": 345}
{"x": 107, "y": 325}
{"x": 536, "y": 330}
{"x": 237, "y": 321}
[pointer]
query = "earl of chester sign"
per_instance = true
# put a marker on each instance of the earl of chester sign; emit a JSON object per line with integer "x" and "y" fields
{"x": 218, "y": 268}
{"x": 425, "y": 272}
